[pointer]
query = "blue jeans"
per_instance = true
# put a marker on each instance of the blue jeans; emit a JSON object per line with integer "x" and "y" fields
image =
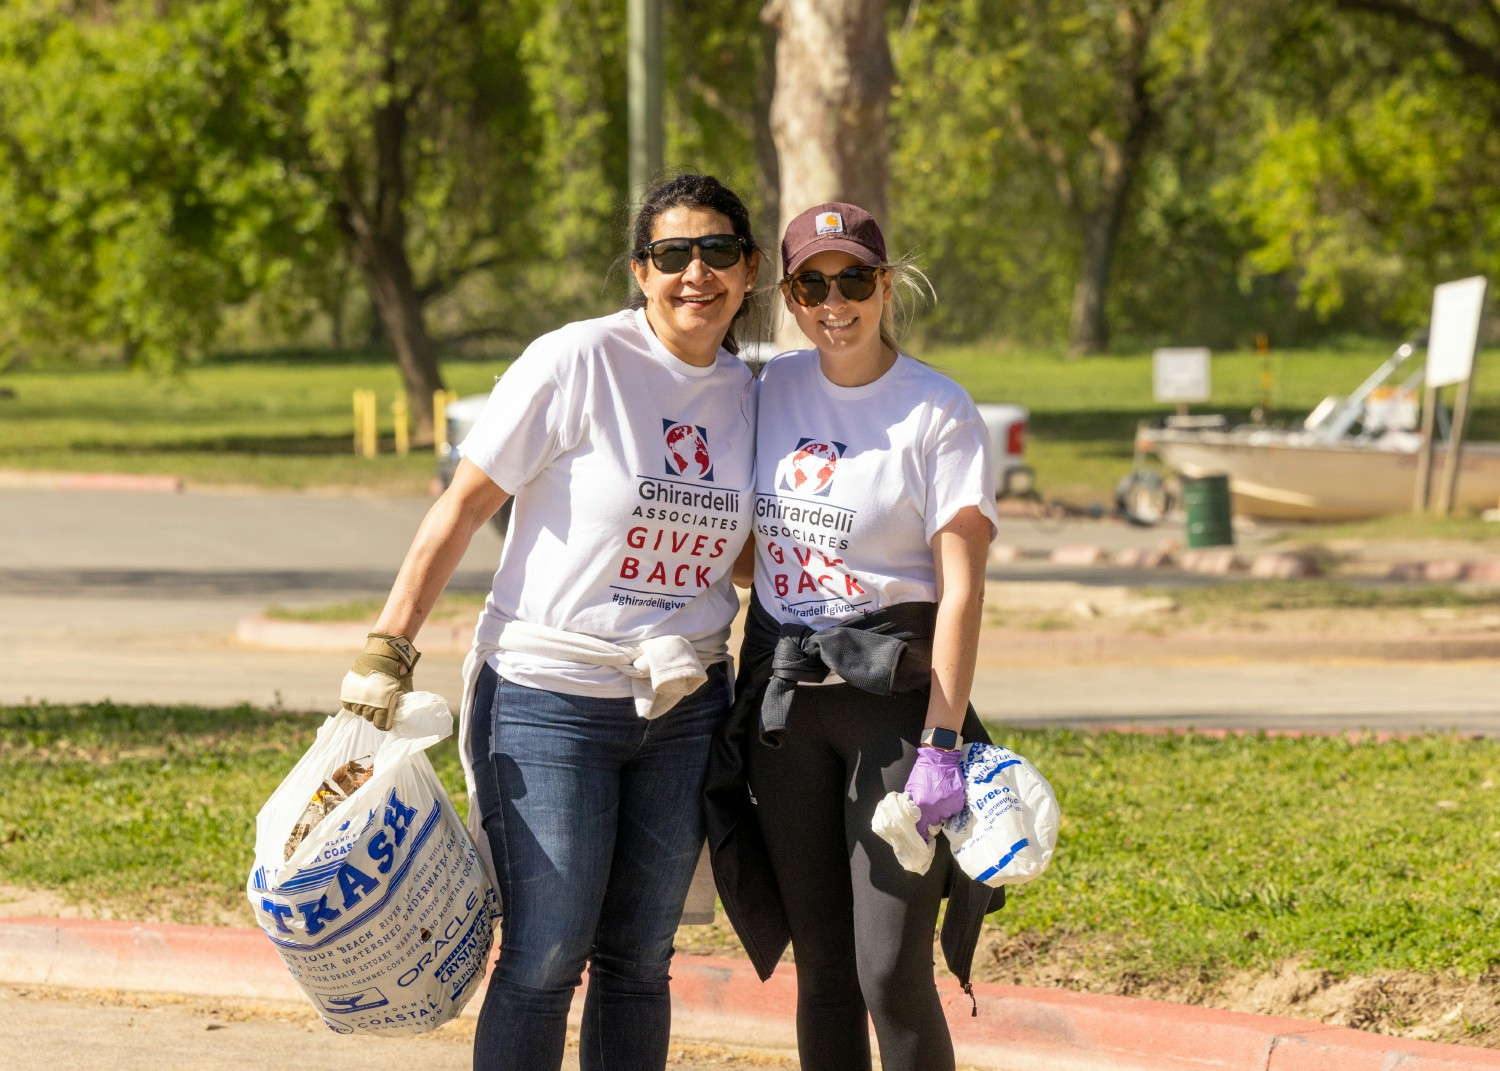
{"x": 595, "y": 820}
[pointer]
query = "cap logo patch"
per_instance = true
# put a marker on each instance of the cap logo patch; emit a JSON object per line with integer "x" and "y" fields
{"x": 830, "y": 223}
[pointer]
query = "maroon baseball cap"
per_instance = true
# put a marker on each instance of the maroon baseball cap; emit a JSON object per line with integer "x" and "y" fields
{"x": 834, "y": 225}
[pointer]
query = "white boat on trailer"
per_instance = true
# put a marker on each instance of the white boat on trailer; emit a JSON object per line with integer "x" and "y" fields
{"x": 1351, "y": 458}
{"x": 1275, "y": 474}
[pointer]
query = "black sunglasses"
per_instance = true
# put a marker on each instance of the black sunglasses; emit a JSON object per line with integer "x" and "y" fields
{"x": 810, "y": 288}
{"x": 674, "y": 254}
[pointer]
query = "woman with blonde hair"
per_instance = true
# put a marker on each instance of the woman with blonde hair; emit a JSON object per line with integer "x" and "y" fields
{"x": 874, "y": 510}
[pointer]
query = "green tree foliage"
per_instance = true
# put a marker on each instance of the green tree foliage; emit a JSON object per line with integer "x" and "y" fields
{"x": 714, "y": 61}
{"x": 1155, "y": 170}
{"x": 574, "y": 56}
{"x": 1055, "y": 116}
{"x": 404, "y": 111}
{"x": 139, "y": 189}
{"x": 1372, "y": 172}
{"x": 164, "y": 160}
{"x": 981, "y": 219}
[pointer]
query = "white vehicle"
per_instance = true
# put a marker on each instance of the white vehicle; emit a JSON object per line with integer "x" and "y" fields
{"x": 459, "y": 417}
{"x": 1008, "y": 425}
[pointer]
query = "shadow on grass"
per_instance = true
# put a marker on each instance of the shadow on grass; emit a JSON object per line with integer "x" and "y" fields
{"x": 249, "y": 445}
{"x": 469, "y": 347}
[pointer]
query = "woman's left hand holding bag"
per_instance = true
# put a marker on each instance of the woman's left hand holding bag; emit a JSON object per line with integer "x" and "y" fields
{"x": 936, "y": 786}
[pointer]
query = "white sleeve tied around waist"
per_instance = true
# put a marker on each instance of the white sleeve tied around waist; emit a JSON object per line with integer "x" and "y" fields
{"x": 662, "y": 670}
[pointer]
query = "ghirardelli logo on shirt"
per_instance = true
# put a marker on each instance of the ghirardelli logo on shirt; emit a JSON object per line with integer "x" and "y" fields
{"x": 810, "y": 468}
{"x": 687, "y": 450}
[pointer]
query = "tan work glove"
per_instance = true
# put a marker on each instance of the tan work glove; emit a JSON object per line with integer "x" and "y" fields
{"x": 380, "y": 674}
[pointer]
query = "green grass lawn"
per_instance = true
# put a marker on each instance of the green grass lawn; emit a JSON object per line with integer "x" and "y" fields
{"x": 281, "y": 422}
{"x": 1176, "y": 853}
{"x": 285, "y": 419}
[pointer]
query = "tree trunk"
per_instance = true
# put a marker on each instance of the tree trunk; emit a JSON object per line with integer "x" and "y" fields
{"x": 1088, "y": 326}
{"x": 376, "y": 228}
{"x": 1119, "y": 161}
{"x": 828, "y": 117}
{"x": 767, "y": 169}
{"x": 388, "y": 275}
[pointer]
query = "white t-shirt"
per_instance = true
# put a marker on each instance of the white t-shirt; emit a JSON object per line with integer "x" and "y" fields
{"x": 852, "y": 483}
{"x": 632, "y": 473}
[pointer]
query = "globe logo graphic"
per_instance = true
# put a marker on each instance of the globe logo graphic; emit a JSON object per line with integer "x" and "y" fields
{"x": 687, "y": 452}
{"x": 812, "y": 467}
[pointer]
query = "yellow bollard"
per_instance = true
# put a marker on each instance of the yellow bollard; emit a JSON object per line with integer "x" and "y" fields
{"x": 370, "y": 444}
{"x": 403, "y": 433}
{"x": 441, "y": 399}
{"x": 365, "y": 428}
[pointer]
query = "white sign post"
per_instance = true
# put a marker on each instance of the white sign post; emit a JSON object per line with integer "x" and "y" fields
{"x": 1180, "y": 374}
{"x": 1457, "y": 309}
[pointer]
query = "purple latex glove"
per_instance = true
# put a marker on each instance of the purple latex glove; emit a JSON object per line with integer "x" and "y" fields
{"x": 936, "y": 786}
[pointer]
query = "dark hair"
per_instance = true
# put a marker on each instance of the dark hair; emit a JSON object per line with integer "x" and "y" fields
{"x": 692, "y": 191}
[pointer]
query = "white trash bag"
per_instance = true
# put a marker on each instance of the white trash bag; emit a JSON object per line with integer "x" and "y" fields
{"x": 1006, "y": 833}
{"x": 382, "y": 911}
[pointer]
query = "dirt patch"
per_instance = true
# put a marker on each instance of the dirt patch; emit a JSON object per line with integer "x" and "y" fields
{"x": 19, "y": 902}
{"x": 1409, "y": 1004}
{"x": 1063, "y": 623}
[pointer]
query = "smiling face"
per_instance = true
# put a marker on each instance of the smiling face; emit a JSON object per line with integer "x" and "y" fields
{"x": 690, "y": 310}
{"x": 847, "y": 333}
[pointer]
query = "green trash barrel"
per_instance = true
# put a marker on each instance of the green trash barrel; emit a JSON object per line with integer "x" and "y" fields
{"x": 1205, "y": 500}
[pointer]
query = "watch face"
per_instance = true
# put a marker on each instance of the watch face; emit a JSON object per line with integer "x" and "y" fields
{"x": 947, "y": 739}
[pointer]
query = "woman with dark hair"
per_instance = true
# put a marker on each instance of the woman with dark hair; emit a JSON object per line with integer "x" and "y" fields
{"x": 600, "y": 664}
{"x": 873, "y": 517}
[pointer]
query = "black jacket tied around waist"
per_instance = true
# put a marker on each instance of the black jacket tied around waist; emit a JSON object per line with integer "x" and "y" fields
{"x": 882, "y": 653}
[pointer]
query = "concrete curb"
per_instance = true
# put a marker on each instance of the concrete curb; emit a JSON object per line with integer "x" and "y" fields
{"x": 91, "y": 481}
{"x": 1016, "y": 1028}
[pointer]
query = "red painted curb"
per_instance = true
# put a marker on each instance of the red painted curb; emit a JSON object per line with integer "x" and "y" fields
{"x": 92, "y": 481}
{"x": 1016, "y": 1028}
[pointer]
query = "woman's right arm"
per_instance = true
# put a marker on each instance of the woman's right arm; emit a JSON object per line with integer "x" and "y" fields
{"x": 383, "y": 669}
{"x": 439, "y": 545}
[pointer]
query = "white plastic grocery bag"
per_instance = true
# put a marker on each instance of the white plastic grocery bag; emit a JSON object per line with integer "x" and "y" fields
{"x": 382, "y": 913}
{"x": 1006, "y": 833}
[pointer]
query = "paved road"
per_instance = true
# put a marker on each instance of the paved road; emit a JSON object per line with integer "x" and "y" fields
{"x": 135, "y": 597}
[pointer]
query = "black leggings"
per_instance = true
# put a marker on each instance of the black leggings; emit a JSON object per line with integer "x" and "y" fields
{"x": 862, "y": 926}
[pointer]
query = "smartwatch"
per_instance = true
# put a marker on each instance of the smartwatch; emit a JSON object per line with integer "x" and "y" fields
{"x": 942, "y": 739}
